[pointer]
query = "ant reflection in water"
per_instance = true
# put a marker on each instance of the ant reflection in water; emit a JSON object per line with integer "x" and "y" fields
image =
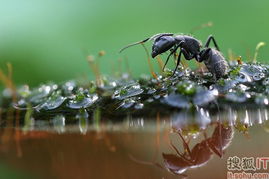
{"x": 201, "y": 153}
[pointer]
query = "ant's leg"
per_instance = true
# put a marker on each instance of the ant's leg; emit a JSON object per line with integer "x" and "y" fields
{"x": 178, "y": 60}
{"x": 214, "y": 41}
{"x": 203, "y": 55}
{"x": 198, "y": 58}
{"x": 172, "y": 52}
{"x": 187, "y": 55}
{"x": 217, "y": 150}
{"x": 185, "y": 144}
{"x": 174, "y": 147}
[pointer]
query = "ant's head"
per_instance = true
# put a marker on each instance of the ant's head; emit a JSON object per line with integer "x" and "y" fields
{"x": 162, "y": 44}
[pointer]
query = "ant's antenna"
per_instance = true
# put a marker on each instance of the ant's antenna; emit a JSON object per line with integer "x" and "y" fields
{"x": 133, "y": 44}
{"x": 160, "y": 35}
{"x": 147, "y": 39}
{"x": 202, "y": 26}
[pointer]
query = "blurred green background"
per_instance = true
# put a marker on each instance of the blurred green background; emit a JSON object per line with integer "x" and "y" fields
{"x": 49, "y": 40}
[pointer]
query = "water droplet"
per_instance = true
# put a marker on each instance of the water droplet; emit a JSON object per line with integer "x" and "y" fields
{"x": 139, "y": 106}
{"x": 24, "y": 91}
{"x": 128, "y": 91}
{"x": 38, "y": 95}
{"x": 258, "y": 76}
{"x": 52, "y": 103}
{"x": 261, "y": 100}
{"x": 177, "y": 100}
{"x": 204, "y": 97}
{"x": 82, "y": 102}
{"x": 69, "y": 86}
{"x": 265, "y": 81}
{"x": 127, "y": 103}
{"x": 243, "y": 78}
{"x": 151, "y": 91}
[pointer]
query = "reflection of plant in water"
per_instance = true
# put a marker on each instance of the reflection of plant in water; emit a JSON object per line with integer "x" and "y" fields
{"x": 201, "y": 153}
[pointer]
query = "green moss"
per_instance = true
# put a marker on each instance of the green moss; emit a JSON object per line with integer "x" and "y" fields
{"x": 221, "y": 82}
{"x": 80, "y": 96}
{"x": 186, "y": 88}
{"x": 235, "y": 71}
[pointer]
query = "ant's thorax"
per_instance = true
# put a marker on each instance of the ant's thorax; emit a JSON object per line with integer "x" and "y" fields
{"x": 180, "y": 38}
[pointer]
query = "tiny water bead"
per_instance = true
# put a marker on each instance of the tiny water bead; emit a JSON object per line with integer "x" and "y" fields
{"x": 82, "y": 101}
{"x": 41, "y": 93}
{"x": 53, "y": 102}
{"x": 177, "y": 100}
{"x": 128, "y": 91}
{"x": 265, "y": 82}
{"x": 204, "y": 97}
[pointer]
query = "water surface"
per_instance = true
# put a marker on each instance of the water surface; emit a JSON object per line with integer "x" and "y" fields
{"x": 135, "y": 147}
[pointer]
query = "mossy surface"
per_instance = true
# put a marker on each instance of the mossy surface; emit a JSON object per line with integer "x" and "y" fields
{"x": 246, "y": 84}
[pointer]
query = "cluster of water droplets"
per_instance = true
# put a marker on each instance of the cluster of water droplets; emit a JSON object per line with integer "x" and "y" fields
{"x": 245, "y": 84}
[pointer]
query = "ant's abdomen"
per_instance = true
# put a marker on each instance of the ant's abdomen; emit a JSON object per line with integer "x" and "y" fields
{"x": 220, "y": 69}
{"x": 216, "y": 64}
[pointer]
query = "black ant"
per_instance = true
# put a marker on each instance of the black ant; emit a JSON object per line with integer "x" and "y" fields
{"x": 190, "y": 47}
